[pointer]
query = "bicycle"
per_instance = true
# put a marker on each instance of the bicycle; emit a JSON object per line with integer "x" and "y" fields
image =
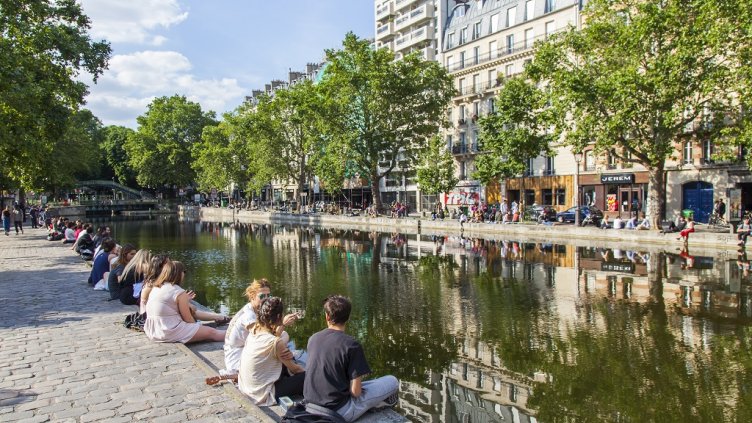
{"x": 717, "y": 220}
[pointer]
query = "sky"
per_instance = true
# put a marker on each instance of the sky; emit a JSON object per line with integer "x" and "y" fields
{"x": 214, "y": 52}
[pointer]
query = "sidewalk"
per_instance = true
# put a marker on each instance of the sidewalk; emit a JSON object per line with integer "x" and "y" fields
{"x": 65, "y": 355}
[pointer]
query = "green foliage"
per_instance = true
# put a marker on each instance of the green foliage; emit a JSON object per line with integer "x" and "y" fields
{"x": 631, "y": 80}
{"x": 436, "y": 168}
{"x": 382, "y": 110}
{"x": 44, "y": 49}
{"x": 518, "y": 131}
{"x": 115, "y": 156}
{"x": 160, "y": 150}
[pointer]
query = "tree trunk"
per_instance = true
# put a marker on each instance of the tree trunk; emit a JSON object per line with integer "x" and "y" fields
{"x": 375, "y": 192}
{"x": 657, "y": 196}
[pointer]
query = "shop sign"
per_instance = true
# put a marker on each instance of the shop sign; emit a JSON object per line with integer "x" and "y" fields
{"x": 617, "y": 267}
{"x": 461, "y": 198}
{"x": 618, "y": 178}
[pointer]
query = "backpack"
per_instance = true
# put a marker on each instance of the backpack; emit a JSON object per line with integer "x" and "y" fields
{"x": 135, "y": 321}
{"x": 302, "y": 412}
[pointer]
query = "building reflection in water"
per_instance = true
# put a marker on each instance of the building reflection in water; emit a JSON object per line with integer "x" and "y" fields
{"x": 496, "y": 330}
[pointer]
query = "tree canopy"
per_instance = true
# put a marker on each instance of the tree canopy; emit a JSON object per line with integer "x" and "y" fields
{"x": 435, "y": 169}
{"x": 383, "y": 111}
{"x": 634, "y": 77}
{"x": 45, "y": 50}
{"x": 160, "y": 151}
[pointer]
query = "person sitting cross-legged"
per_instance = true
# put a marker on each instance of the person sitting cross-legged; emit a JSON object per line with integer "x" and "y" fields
{"x": 336, "y": 367}
{"x": 743, "y": 231}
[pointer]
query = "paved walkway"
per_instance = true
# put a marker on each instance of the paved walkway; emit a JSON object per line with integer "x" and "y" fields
{"x": 65, "y": 355}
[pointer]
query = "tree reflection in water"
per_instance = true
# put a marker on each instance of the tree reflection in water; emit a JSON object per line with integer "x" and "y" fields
{"x": 485, "y": 330}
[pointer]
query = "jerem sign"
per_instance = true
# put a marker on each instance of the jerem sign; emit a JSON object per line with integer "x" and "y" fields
{"x": 618, "y": 178}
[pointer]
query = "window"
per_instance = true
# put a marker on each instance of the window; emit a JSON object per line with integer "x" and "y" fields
{"x": 687, "y": 152}
{"x": 494, "y": 23}
{"x": 548, "y": 197}
{"x": 528, "y": 38}
{"x": 529, "y": 171}
{"x": 476, "y": 109}
{"x": 707, "y": 151}
{"x": 549, "y": 165}
{"x": 529, "y": 197}
{"x": 492, "y": 77}
{"x": 493, "y": 50}
{"x": 491, "y": 105}
{"x": 476, "y": 55}
{"x": 450, "y": 40}
{"x": 511, "y": 16}
{"x": 529, "y": 9}
{"x": 450, "y": 114}
{"x": 462, "y": 139}
{"x": 462, "y": 112}
{"x": 549, "y": 28}
{"x": 550, "y": 6}
{"x": 611, "y": 161}
{"x": 476, "y": 83}
{"x": 449, "y": 62}
{"x": 463, "y": 35}
{"x": 462, "y": 88}
{"x": 510, "y": 43}
{"x": 449, "y": 142}
{"x": 475, "y": 140}
{"x": 459, "y": 12}
{"x": 561, "y": 196}
{"x": 509, "y": 70}
{"x": 462, "y": 170}
{"x": 462, "y": 60}
{"x": 476, "y": 31}
{"x": 589, "y": 160}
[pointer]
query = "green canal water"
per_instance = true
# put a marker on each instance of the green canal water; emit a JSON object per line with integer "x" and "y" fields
{"x": 500, "y": 330}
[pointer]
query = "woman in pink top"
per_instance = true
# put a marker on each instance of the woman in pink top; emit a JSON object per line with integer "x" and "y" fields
{"x": 168, "y": 312}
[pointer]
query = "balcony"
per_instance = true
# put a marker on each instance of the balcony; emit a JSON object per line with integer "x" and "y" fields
{"x": 522, "y": 46}
{"x": 420, "y": 35}
{"x": 401, "y": 4}
{"x": 462, "y": 149}
{"x": 476, "y": 89}
{"x": 384, "y": 11}
{"x": 385, "y": 31}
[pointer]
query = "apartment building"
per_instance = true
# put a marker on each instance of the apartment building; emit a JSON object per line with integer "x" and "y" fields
{"x": 405, "y": 26}
{"x": 484, "y": 42}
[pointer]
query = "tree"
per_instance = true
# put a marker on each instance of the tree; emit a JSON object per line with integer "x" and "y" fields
{"x": 220, "y": 157}
{"x": 160, "y": 149}
{"x": 44, "y": 49}
{"x": 519, "y": 131}
{"x": 436, "y": 168}
{"x": 113, "y": 149}
{"x": 287, "y": 133}
{"x": 637, "y": 74}
{"x": 383, "y": 111}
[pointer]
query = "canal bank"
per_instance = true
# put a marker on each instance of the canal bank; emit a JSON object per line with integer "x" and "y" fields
{"x": 558, "y": 233}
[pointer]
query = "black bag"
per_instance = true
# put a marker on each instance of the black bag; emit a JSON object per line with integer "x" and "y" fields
{"x": 311, "y": 413}
{"x": 135, "y": 321}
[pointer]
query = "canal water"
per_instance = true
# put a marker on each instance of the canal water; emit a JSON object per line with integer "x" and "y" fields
{"x": 488, "y": 330}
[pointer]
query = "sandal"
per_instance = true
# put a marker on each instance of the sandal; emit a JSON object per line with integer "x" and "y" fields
{"x": 223, "y": 321}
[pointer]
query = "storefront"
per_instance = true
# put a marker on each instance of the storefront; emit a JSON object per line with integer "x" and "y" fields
{"x": 617, "y": 194}
{"x": 555, "y": 191}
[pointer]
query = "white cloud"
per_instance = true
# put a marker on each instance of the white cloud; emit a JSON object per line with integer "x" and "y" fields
{"x": 133, "y": 80}
{"x": 133, "y": 21}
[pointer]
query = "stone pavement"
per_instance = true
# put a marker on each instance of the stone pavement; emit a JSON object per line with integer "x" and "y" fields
{"x": 65, "y": 355}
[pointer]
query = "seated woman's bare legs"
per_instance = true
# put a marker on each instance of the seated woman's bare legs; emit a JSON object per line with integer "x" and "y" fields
{"x": 206, "y": 333}
{"x": 205, "y": 315}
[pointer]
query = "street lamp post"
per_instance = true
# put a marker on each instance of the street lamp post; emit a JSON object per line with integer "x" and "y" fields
{"x": 577, "y": 160}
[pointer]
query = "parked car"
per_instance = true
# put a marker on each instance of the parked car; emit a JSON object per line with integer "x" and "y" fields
{"x": 541, "y": 213}
{"x": 568, "y": 215}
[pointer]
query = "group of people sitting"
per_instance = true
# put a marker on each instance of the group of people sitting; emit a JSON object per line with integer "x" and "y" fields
{"x": 258, "y": 352}
{"x": 630, "y": 223}
{"x": 330, "y": 374}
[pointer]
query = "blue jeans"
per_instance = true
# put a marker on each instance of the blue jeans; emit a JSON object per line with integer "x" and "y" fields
{"x": 371, "y": 395}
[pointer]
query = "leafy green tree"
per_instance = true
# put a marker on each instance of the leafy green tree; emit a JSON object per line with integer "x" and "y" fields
{"x": 114, "y": 153}
{"x": 287, "y": 133}
{"x": 519, "y": 131}
{"x": 45, "y": 50}
{"x": 220, "y": 157}
{"x": 636, "y": 75}
{"x": 436, "y": 168}
{"x": 160, "y": 149}
{"x": 382, "y": 111}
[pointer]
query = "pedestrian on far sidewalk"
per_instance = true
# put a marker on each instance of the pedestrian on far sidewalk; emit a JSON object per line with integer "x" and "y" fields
{"x": 18, "y": 219}
{"x": 7, "y": 216}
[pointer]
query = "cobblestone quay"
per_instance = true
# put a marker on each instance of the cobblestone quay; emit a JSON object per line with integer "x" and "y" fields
{"x": 65, "y": 355}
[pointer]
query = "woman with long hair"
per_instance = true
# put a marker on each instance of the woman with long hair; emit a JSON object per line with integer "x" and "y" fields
{"x": 127, "y": 253}
{"x": 168, "y": 313}
{"x": 262, "y": 367}
{"x": 133, "y": 277}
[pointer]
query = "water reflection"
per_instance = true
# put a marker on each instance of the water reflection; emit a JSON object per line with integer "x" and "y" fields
{"x": 494, "y": 330}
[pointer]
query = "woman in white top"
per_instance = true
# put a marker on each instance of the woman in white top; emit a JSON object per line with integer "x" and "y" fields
{"x": 168, "y": 312}
{"x": 237, "y": 330}
{"x": 261, "y": 374}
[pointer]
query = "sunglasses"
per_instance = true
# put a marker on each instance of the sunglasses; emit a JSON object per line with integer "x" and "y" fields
{"x": 264, "y": 296}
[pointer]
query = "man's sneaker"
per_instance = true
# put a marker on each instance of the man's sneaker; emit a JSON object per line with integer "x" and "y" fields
{"x": 389, "y": 401}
